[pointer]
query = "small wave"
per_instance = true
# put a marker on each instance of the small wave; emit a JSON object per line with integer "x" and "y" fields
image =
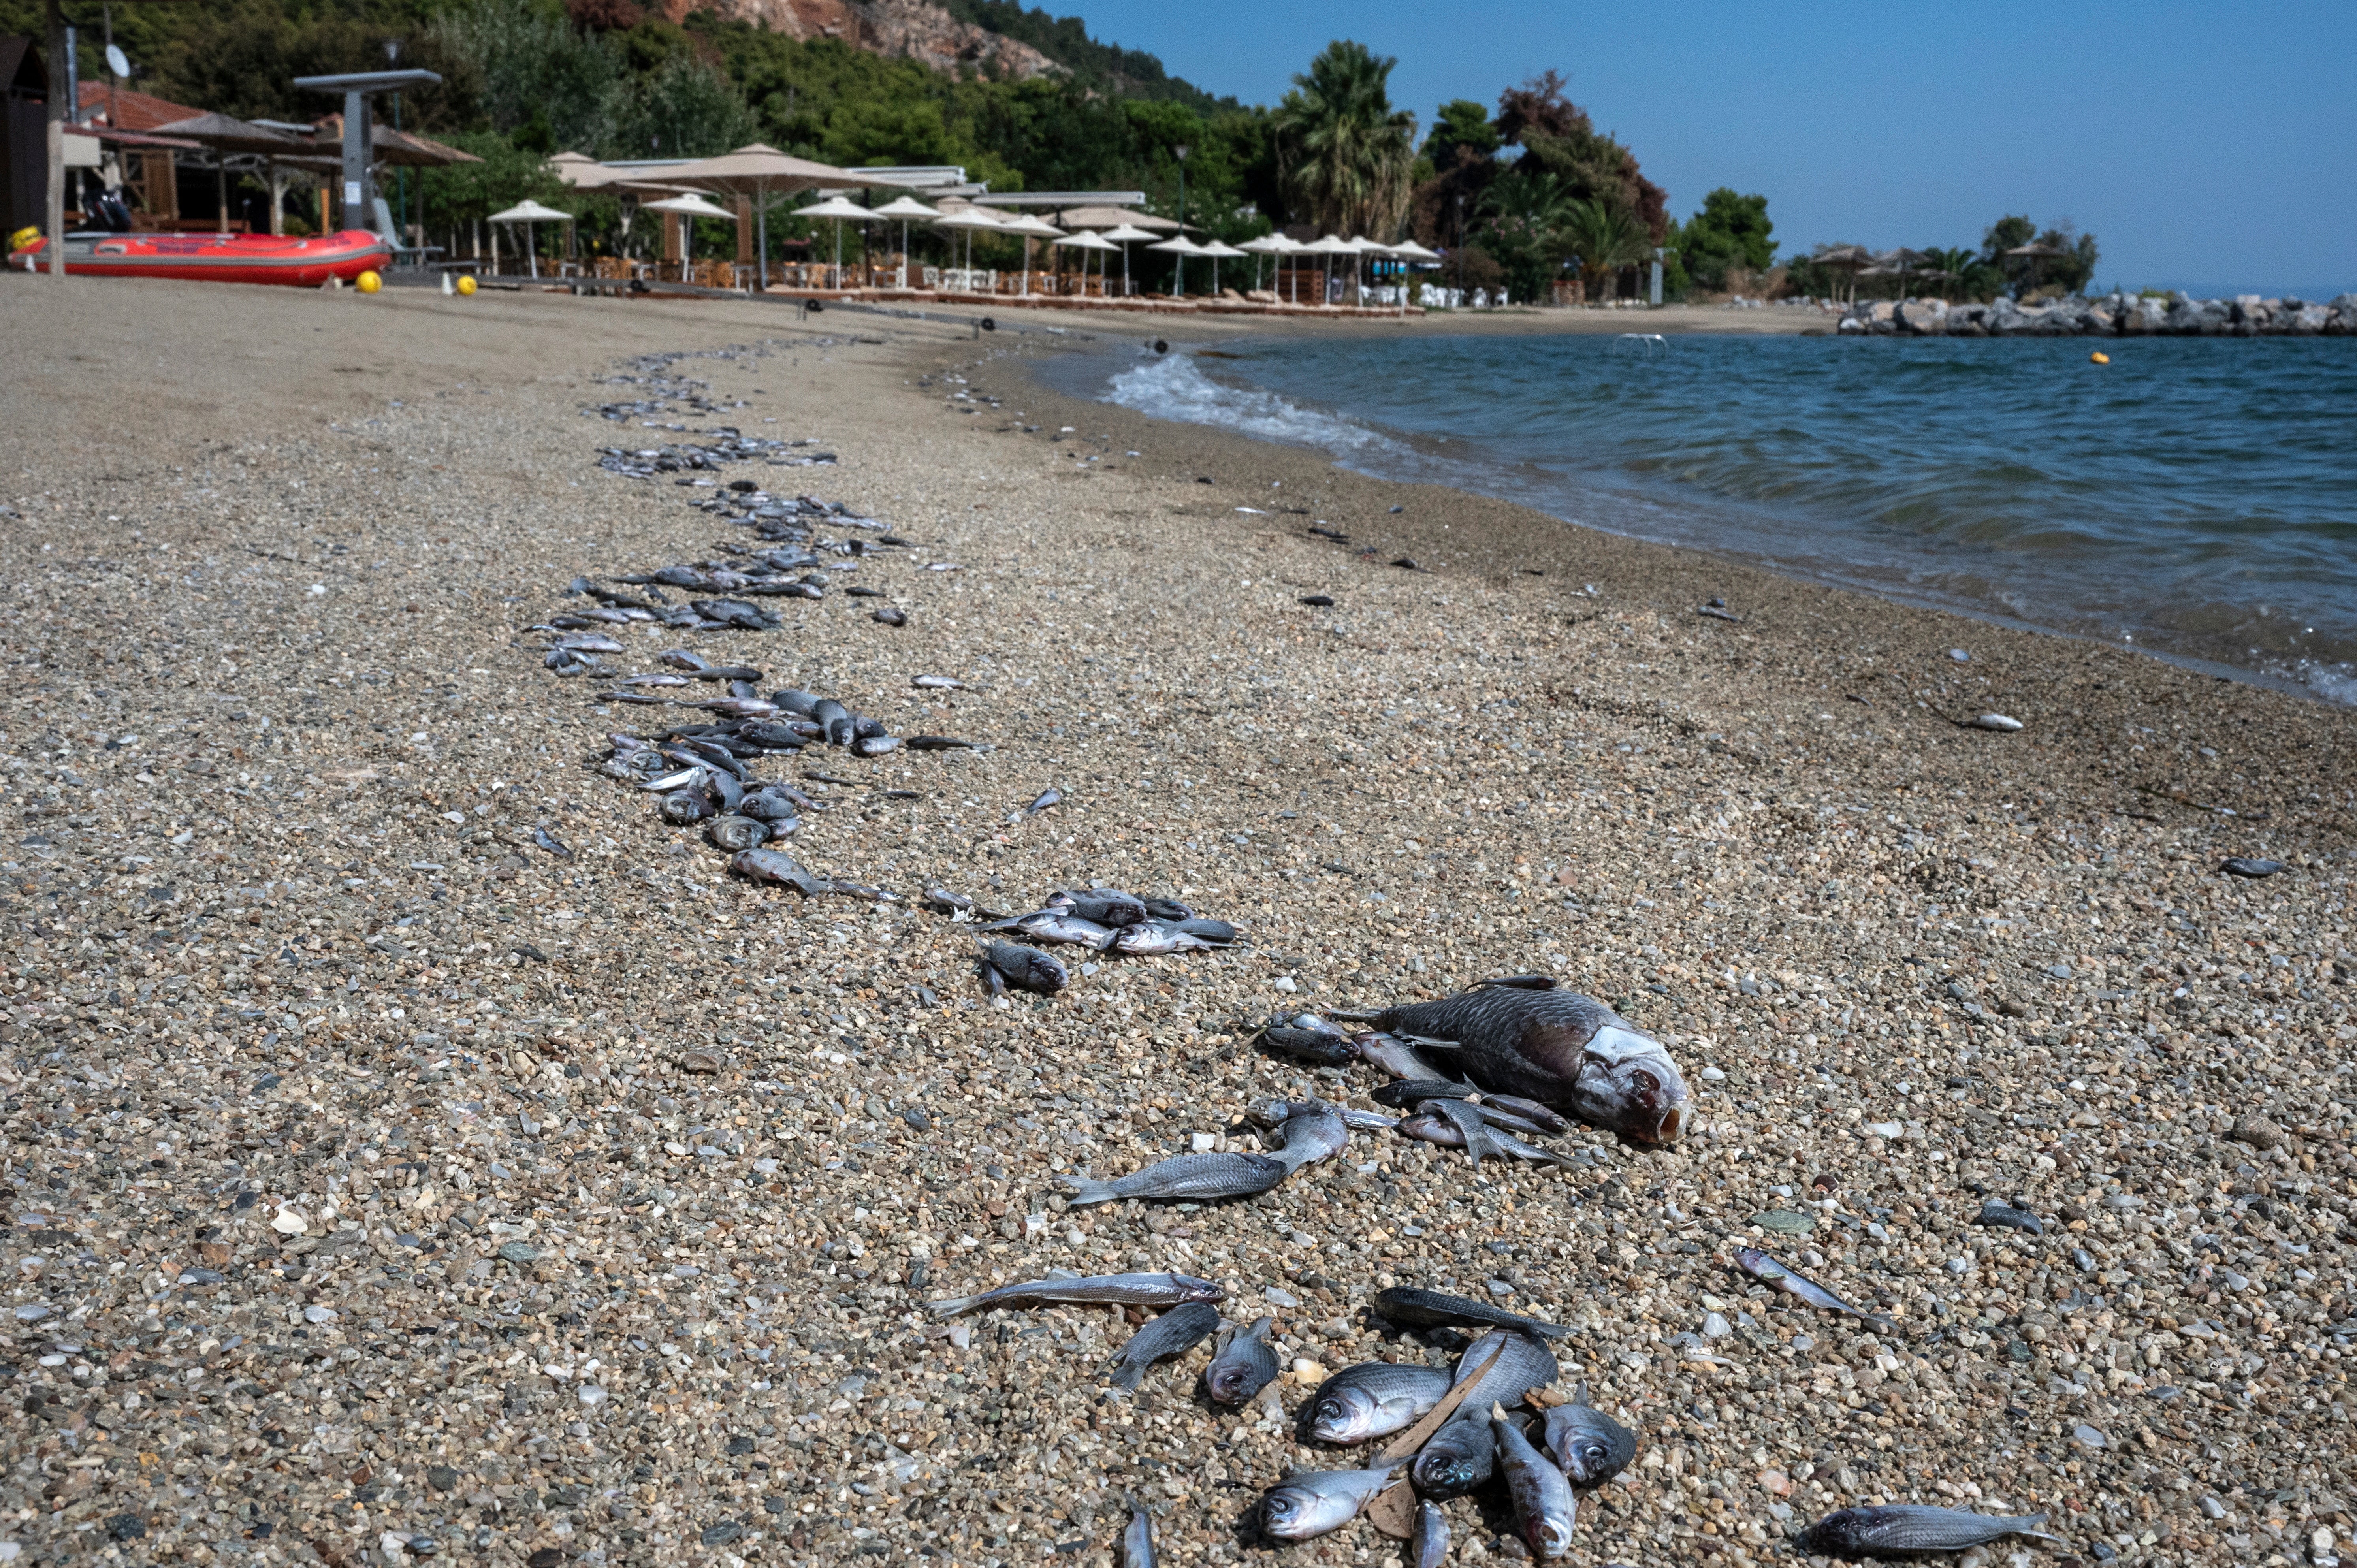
{"x": 1172, "y": 387}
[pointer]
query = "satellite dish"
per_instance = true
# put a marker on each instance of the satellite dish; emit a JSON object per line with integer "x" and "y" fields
{"x": 117, "y": 61}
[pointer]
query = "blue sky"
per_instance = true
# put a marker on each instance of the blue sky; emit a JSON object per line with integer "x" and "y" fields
{"x": 2206, "y": 146}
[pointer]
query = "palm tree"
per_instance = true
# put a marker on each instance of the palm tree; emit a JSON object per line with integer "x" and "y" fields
{"x": 1949, "y": 266}
{"x": 1606, "y": 236}
{"x": 1344, "y": 151}
{"x": 1527, "y": 216}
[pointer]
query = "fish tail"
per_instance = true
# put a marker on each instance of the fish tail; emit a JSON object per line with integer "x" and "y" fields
{"x": 1087, "y": 1190}
{"x": 952, "y": 1305}
{"x": 1127, "y": 1379}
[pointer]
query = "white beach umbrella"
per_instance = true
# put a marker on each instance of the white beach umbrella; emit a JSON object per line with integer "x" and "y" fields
{"x": 1182, "y": 247}
{"x": 1216, "y": 250}
{"x": 1125, "y": 235}
{"x": 531, "y": 214}
{"x": 1269, "y": 245}
{"x": 968, "y": 218}
{"x": 1329, "y": 246}
{"x": 903, "y": 208}
{"x": 839, "y": 209}
{"x": 1084, "y": 242}
{"x": 688, "y": 208}
{"x": 1031, "y": 229}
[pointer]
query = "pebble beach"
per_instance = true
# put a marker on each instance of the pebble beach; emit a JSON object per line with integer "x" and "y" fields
{"x": 386, "y": 1186}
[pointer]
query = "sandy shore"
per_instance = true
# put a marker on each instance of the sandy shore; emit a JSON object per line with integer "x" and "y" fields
{"x": 380, "y": 1178}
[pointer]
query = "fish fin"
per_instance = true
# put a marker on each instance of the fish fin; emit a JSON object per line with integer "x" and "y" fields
{"x": 1427, "y": 1042}
{"x": 1337, "y": 1014}
{"x": 952, "y": 1305}
{"x": 1086, "y": 1190}
{"x": 1521, "y": 981}
{"x": 1128, "y": 1377}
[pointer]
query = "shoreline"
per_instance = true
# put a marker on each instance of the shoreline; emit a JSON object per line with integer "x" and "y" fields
{"x": 2286, "y": 676}
{"x": 1903, "y": 965}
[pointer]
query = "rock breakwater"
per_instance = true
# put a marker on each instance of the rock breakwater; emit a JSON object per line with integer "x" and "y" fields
{"x": 2111, "y": 316}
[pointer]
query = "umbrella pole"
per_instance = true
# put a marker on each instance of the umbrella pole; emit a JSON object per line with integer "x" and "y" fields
{"x": 762, "y": 223}
{"x": 838, "y": 254}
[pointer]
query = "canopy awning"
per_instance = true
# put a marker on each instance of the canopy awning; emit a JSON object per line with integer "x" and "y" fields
{"x": 531, "y": 211}
{"x": 1113, "y": 217}
{"x": 840, "y": 209}
{"x": 689, "y": 207}
{"x": 225, "y": 134}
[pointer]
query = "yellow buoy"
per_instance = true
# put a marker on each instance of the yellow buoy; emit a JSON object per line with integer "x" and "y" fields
{"x": 23, "y": 238}
{"x": 368, "y": 283}
{"x": 466, "y": 283}
{"x": 2100, "y": 357}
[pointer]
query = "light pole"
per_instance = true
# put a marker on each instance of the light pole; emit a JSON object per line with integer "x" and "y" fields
{"x": 399, "y": 173}
{"x": 1461, "y": 247}
{"x": 1181, "y": 273}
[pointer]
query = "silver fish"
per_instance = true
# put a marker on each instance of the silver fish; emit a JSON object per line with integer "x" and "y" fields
{"x": 1525, "y": 1364}
{"x": 1360, "y": 1121}
{"x": 1313, "y": 1131}
{"x": 1244, "y": 1364}
{"x": 1543, "y": 1501}
{"x": 1105, "y": 905}
{"x": 1320, "y": 1501}
{"x": 550, "y": 843}
{"x": 1027, "y": 969}
{"x": 1556, "y": 1046}
{"x": 1443, "y": 1132}
{"x": 1137, "y": 1541}
{"x": 1462, "y": 1456}
{"x": 1055, "y": 926}
{"x": 1430, "y": 1547}
{"x": 1762, "y": 1267}
{"x": 1424, "y": 1309}
{"x": 1185, "y": 1178}
{"x": 1905, "y": 1530}
{"x": 1122, "y": 1290}
{"x": 1174, "y": 1333}
{"x": 1045, "y": 799}
{"x": 1480, "y": 1139}
{"x": 1151, "y": 939}
{"x": 1376, "y": 1399}
{"x": 937, "y": 684}
{"x": 1395, "y": 1056}
{"x": 1509, "y": 1110}
{"x": 736, "y": 833}
{"x": 774, "y": 865}
{"x": 1590, "y": 1446}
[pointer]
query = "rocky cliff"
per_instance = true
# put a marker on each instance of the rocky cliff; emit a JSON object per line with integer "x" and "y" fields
{"x": 915, "y": 28}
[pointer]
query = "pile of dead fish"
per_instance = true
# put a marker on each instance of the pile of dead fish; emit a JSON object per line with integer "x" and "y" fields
{"x": 1096, "y": 920}
{"x": 726, "y": 446}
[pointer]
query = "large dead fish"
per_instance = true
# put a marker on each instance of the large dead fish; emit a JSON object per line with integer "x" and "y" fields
{"x": 1527, "y": 1037}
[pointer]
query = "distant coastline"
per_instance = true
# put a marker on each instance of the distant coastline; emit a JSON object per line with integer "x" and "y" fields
{"x": 2111, "y": 316}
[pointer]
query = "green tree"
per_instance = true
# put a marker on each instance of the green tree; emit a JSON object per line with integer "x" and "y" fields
{"x": 1344, "y": 150}
{"x": 1731, "y": 231}
{"x": 533, "y": 69}
{"x": 1461, "y": 130}
{"x": 1563, "y": 141}
{"x": 1524, "y": 215}
{"x": 1604, "y": 237}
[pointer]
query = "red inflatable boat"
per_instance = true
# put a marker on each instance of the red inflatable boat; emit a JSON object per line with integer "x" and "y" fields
{"x": 216, "y": 258}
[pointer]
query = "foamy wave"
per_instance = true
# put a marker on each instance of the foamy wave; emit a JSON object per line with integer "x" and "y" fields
{"x": 1172, "y": 387}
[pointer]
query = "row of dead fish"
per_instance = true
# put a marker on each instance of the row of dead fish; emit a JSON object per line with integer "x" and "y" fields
{"x": 725, "y": 446}
{"x": 1465, "y": 1426}
{"x": 1097, "y": 920}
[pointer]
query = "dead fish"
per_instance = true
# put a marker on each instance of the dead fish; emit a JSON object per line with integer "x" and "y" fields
{"x": 1186, "y": 1178}
{"x": 1460, "y": 1456}
{"x": 1558, "y": 1047}
{"x": 1314, "y": 1048}
{"x": 1120, "y": 1290}
{"x": 1245, "y": 1363}
{"x": 1541, "y": 1117}
{"x": 1481, "y": 1141}
{"x": 938, "y": 743}
{"x": 1394, "y": 1056}
{"x": 732, "y": 834}
{"x": 1998, "y": 722}
{"x": 1444, "y": 1132}
{"x": 1168, "y": 910}
{"x": 1524, "y": 1364}
{"x": 834, "y": 719}
{"x": 589, "y": 643}
{"x": 550, "y": 843}
{"x": 875, "y": 745}
{"x": 1905, "y": 1530}
{"x": 1521, "y": 981}
{"x": 1316, "y": 1502}
{"x": 1210, "y": 933}
{"x": 794, "y": 700}
{"x": 1717, "y": 610}
{"x": 1374, "y": 1398}
{"x": 890, "y": 615}
{"x": 656, "y": 681}
{"x": 684, "y": 808}
{"x": 682, "y": 658}
{"x": 1046, "y": 798}
{"x": 1319, "y": 601}
{"x": 1055, "y": 926}
{"x": 1762, "y": 1267}
{"x": 1544, "y": 1506}
{"x": 769, "y": 805}
{"x": 1313, "y": 1131}
{"x": 1153, "y": 938}
{"x": 937, "y": 684}
{"x": 1174, "y": 1333}
{"x": 1590, "y": 1446}
{"x": 1430, "y": 1547}
{"x": 774, "y": 866}
{"x": 1104, "y": 906}
{"x": 1025, "y": 969}
{"x": 1423, "y": 1308}
{"x": 2243, "y": 866}
{"x": 1508, "y": 1120}
{"x": 2004, "y": 1217}
{"x": 1137, "y": 1541}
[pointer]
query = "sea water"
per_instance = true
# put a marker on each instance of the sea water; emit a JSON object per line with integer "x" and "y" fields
{"x": 2195, "y": 497}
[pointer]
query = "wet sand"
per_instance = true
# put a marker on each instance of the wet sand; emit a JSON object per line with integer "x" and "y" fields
{"x": 379, "y": 1176}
